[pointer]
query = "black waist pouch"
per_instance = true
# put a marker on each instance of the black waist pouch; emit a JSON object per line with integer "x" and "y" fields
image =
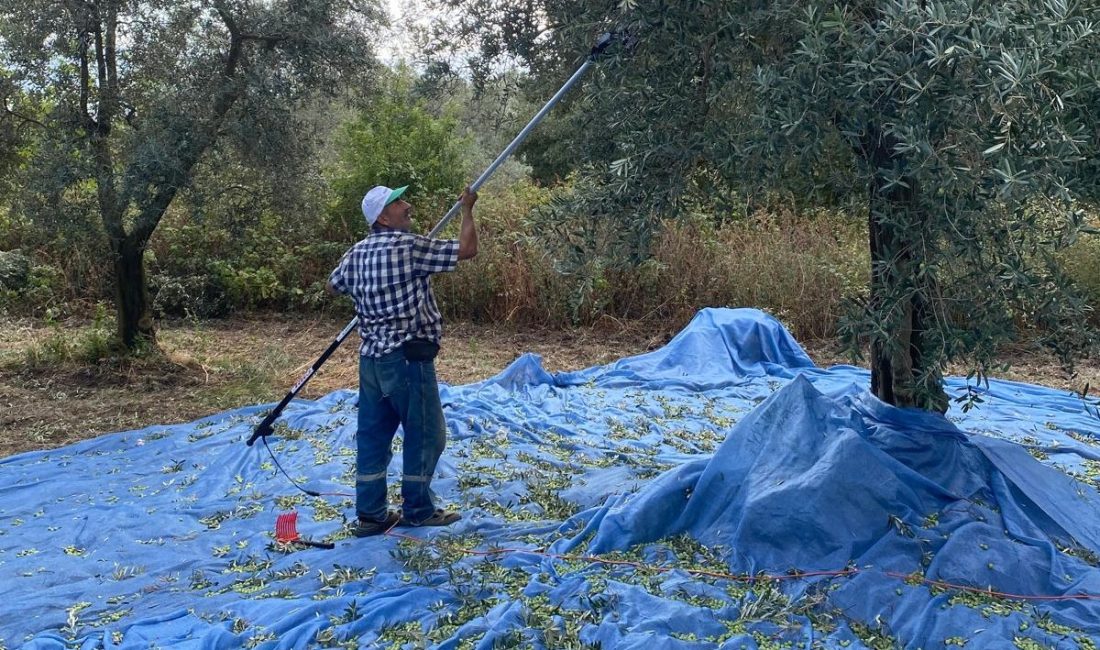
{"x": 420, "y": 349}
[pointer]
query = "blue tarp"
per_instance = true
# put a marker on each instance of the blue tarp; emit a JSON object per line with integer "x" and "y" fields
{"x": 720, "y": 492}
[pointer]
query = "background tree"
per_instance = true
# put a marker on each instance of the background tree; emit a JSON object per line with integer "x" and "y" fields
{"x": 138, "y": 91}
{"x": 395, "y": 140}
{"x": 966, "y": 130}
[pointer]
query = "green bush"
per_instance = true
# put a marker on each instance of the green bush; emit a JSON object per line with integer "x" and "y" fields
{"x": 396, "y": 141}
{"x": 190, "y": 296}
{"x": 1082, "y": 263}
{"x": 209, "y": 266}
{"x": 42, "y": 292}
{"x": 252, "y": 287}
{"x": 15, "y": 269}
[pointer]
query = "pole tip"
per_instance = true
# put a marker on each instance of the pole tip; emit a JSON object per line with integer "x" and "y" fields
{"x": 602, "y": 44}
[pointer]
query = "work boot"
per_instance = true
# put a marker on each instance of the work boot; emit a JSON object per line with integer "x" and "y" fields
{"x": 438, "y": 518}
{"x": 365, "y": 528}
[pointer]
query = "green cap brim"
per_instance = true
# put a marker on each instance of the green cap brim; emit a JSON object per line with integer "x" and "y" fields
{"x": 396, "y": 194}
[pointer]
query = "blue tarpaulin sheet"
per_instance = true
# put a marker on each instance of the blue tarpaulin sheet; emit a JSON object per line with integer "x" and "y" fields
{"x": 720, "y": 492}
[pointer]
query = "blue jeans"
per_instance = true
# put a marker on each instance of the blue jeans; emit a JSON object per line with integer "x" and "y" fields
{"x": 395, "y": 391}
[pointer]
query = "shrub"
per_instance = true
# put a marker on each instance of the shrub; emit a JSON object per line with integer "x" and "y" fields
{"x": 1082, "y": 262}
{"x": 15, "y": 270}
{"x": 42, "y": 292}
{"x": 191, "y": 296}
{"x": 800, "y": 267}
{"x": 396, "y": 141}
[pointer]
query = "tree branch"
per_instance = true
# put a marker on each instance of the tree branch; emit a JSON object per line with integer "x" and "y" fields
{"x": 227, "y": 18}
{"x": 19, "y": 116}
{"x": 153, "y": 198}
{"x": 103, "y": 105}
{"x": 82, "y": 18}
{"x": 105, "y": 15}
{"x": 151, "y": 214}
{"x": 238, "y": 37}
{"x": 269, "y": 41}
{"x": 111, "y": 54}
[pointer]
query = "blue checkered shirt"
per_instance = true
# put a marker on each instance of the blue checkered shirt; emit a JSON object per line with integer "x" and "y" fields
{"x": 387, "y": 275}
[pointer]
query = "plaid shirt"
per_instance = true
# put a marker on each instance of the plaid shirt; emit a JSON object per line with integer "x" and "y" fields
{"x": 387, "y": 276}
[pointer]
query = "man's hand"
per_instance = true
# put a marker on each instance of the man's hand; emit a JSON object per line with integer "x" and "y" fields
{"x": 468, "y": 199}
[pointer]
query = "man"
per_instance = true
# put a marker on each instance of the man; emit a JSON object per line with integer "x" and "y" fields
{"x": 387, "y": 275}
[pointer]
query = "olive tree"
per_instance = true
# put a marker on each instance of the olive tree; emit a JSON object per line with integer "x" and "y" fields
{"x": 131, "y": 94}
{"x": 967, "y": 131}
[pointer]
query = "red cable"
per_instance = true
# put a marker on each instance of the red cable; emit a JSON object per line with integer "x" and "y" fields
{"x": 990, "y": 592}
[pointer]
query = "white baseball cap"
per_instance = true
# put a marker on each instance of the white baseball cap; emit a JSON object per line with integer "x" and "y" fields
{"x": 377, "y": 199}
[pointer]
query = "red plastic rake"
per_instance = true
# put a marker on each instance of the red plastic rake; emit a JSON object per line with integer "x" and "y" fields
{"x": 286, "y": 531}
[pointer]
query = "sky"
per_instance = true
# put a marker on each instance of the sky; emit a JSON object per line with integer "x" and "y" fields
{"x": 396, "y": 43}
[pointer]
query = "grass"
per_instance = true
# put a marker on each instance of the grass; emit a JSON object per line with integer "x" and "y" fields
{"x": 89, "y": 346}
